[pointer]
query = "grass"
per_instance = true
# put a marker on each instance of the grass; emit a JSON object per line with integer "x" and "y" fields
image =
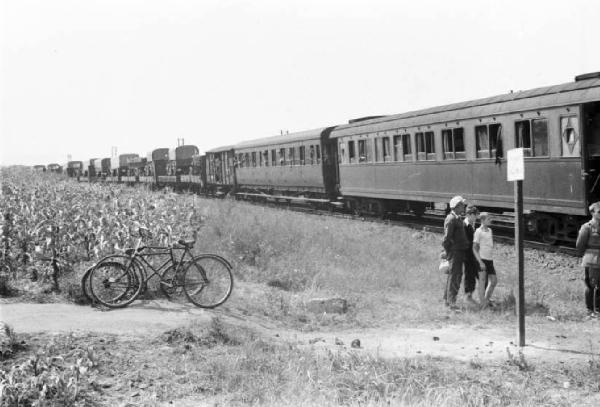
{"x": 223, "y": 364}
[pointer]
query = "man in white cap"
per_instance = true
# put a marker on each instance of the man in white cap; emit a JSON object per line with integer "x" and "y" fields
{"x": 455, "y": 243}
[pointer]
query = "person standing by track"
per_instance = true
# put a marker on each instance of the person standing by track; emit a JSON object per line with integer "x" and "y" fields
{"x": 455, "y": 244}
{"x": 471, "y": 263}
{"x": 588, "y": 245}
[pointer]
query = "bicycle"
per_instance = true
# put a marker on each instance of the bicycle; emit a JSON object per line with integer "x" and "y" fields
{"x": 117, "y": 280}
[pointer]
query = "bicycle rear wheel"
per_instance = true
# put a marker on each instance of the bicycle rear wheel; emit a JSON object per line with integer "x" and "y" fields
{"x": 208, "y": 281}
{"x": 115, "y": 285}
{"x": 118, "y": 258}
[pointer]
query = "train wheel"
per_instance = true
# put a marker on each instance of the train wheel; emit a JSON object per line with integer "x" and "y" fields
{"x": 549, "y": 229}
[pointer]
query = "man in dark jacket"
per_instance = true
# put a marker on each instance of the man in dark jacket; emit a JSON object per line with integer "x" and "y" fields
{"x": 455, "y": 244}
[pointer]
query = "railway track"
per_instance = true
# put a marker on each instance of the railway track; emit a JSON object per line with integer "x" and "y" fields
{"x": 432, "y": 221}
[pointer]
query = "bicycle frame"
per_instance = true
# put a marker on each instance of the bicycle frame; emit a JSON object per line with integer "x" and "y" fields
{"x": 144, "y": 252}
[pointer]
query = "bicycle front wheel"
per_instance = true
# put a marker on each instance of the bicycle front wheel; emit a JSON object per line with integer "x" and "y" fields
{"x": 207, "y": 281}
{"x": 114, "y": 285}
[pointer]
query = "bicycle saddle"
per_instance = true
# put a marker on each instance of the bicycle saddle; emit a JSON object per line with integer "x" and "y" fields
{"x": 186, "y": 243}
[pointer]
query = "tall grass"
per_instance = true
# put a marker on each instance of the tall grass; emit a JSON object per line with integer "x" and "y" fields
{"x": 389, "y": 273}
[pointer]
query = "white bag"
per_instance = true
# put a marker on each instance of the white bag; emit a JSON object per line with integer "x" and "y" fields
{"x": 444, "y": 266}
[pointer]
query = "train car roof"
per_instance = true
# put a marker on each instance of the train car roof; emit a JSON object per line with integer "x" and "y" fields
{"x": 220, "y": 149}
{"x": 282, "y": 139}
{"x": 185, "y": 152}
{"x": 580, "y": 91}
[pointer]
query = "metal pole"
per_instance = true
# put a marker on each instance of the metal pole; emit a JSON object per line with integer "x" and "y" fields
{"x": 520, "y": 261}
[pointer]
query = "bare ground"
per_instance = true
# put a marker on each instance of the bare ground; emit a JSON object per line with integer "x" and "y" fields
{"x": 547, "y": 341}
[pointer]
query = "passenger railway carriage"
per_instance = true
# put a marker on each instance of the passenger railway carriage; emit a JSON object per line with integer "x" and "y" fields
{"x": 418, "y": 160}
{"x": 299, "y": 165}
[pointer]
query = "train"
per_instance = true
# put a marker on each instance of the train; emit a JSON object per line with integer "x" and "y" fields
{"x": 409, "y": 162}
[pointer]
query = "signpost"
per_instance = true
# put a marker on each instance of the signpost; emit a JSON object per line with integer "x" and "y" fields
{"x": 515, "y": 171}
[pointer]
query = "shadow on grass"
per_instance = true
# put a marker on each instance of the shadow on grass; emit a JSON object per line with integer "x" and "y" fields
{"x": 561, "y": 350}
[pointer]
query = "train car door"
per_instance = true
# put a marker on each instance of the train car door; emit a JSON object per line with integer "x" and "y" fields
{"x": 591, "y": 149}
{"x": 331, "y": 177}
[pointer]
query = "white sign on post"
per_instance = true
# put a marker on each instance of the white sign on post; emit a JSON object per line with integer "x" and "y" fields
{"x": 515, "y": 169}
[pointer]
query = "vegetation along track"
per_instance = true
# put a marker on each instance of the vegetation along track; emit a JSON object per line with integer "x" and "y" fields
{"x": 431, "y": 221}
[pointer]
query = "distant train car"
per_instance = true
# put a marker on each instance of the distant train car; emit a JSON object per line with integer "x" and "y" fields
{"x": 135, "y": 166}
{"x": 74, "y": 169}
{"x": 123, "y": 172}
{"x": 220, "y": 171}
{"x": 105, "y": 167}
{"x": 169, "y": 177}
{"x": 39, "y": 168}
{"x": 156, "y": 165}
{"x": 55, "y": 168}
{"x": 184, "y": 157}
{"x": 417, "y": 159}
{"x": 288, "y": 167}
{"x": 92, "y": 170}
{"x": 195, "y": 179}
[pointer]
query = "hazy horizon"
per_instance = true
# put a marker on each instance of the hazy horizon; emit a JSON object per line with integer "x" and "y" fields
{"x": 79, "y": 78}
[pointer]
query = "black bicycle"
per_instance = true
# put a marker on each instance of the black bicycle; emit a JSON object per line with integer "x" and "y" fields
{"x": 117, "y": 280}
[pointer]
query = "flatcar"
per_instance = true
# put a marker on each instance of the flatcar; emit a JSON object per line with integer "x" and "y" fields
{"x": 416, "y": 159}
{"x": 55, "y": 168}
{"x": 105, "y": 166}
{"x": 195, "y": 178}
{"x": 169, "y": 177}
{"x": 156, "y": 166}
{"x": 74, "y": 169}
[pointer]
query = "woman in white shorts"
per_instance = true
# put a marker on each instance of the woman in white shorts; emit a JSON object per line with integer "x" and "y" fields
{"x": 483, "y": 248}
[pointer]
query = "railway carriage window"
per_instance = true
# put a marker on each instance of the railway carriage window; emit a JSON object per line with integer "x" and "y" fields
{"x": 302, "y": 153}
{"x": 453, "y": 144}
{"x": 266, "y": 157}
{"x": 378, "y": 150}
{"x": 540, "y": 137}
{"x": 425, "y": 146}
{"x": 362, "y": 151}
{"x": 342, "y": 155}
{"x": 523, "y": 136}
{"x": 351, "y": 152}
{"x": 282, "y": 156}
{"x": 486, "y": 138}
{"x": 533, "y": 137}
{"x": 482, "y": 141}
{"x": 273, "y": 158}
{"x": 292, "y": 156}
{"x": 311, "y": 154}
{"x": 569, "y": 136}
{"x": 386, "y": 149}
{"x": 318, "y": 154}
{"x": 398, "y": 148}
{"x": 260, "y": 159}
{"x": 407, "y": 147}
{"x": 430, "y": 145}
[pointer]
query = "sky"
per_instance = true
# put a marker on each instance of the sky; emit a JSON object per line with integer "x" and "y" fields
{"x": 81, "y": 77}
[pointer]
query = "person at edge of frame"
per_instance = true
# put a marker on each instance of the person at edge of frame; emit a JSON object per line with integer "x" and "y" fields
{"x": 588, "y": 246}
{"x": 455, "y": 244}
{"x": 471, "y": 263}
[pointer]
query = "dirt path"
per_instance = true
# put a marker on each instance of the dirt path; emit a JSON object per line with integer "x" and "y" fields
{"x": 548, "y": 342}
